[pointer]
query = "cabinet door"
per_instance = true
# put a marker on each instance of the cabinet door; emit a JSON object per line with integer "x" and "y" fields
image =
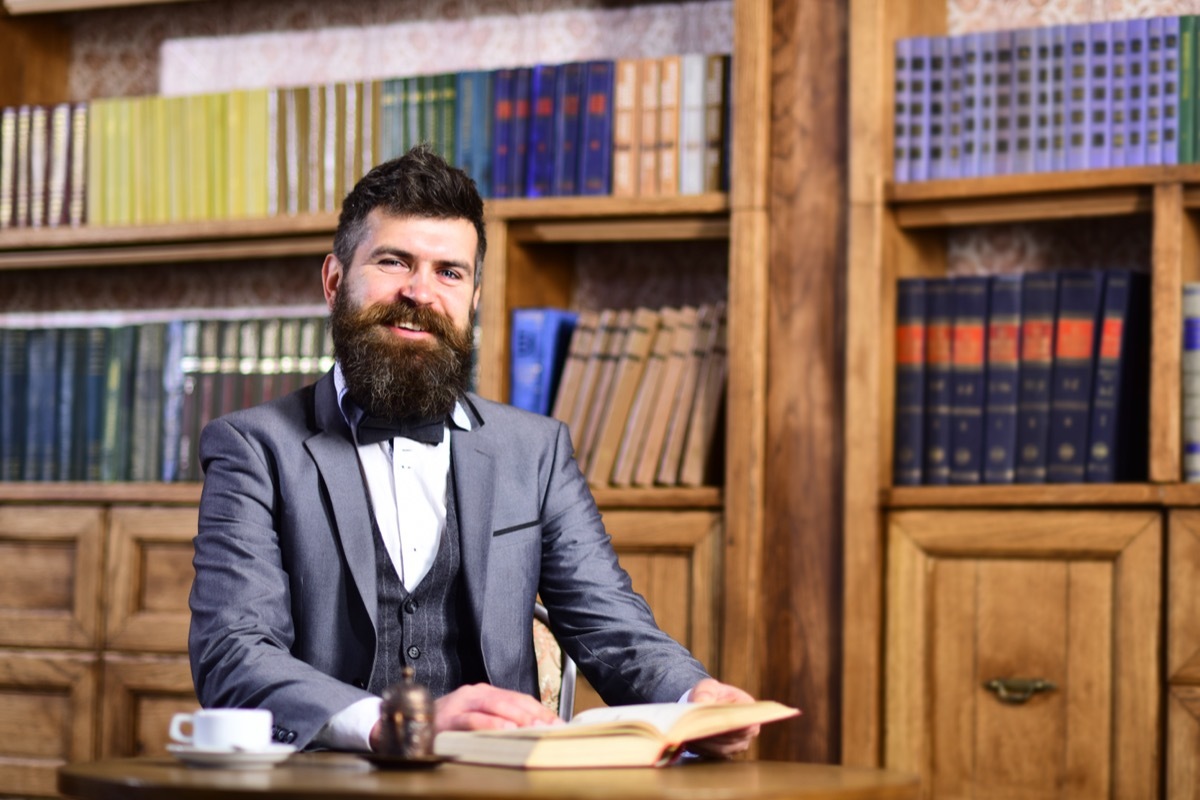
{"x": 141, "y": 694}
{"x": 1183, "y": 657}
{"x": 1072, "y": 598}
{"x": 149, "y": 576}
{"x": 50, "y": 576}
{"x": 47, "y": 717}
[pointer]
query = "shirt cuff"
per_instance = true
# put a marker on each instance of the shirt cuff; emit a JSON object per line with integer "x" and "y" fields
{"x": 350, "y": 728}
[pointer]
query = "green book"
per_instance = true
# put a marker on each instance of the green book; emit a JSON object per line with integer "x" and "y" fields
{"x": 1187, "y": 89}
{"x": 119, "y": 361}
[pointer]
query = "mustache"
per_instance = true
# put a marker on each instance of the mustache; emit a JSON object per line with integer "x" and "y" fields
{"x": 403, "y": 312}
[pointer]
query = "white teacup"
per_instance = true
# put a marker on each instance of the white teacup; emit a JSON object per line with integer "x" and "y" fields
{"x": 223, "y": 729}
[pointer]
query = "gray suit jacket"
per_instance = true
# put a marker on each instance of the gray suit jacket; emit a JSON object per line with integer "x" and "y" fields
{"x": 284, "y": 600}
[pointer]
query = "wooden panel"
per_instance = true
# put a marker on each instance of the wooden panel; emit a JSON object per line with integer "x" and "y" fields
{"x": 973, "y": 596}
{"x": 1174, "y": 245}
{"x": 1183, "y": 599}
{"x": 50, "y": 576}
{"x": 1183, "y": 743}
{"x": 47, "y": 717}
{"x": 149, "y": 575}
{"x": 141, "y": 694}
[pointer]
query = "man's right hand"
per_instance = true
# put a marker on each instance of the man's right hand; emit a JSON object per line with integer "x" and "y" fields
{"x": 481, "y": 706}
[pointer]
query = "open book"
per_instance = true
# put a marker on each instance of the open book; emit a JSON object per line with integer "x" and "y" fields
{"x": 621, "y": 736}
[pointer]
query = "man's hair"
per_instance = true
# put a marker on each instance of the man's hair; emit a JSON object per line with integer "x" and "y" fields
{"x": 419, "y": 183}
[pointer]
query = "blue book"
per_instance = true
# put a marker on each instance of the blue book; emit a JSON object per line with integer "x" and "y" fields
{"x": 68, "y": 450}
{"x": 568, "y": 94}
{"x": 173, "y": 391}
{"x": 1039, "y": 301}
{"x": 1077, "y": 66}
{"x": 939, "y": 352}
{"x": 481, "y": 126}
{"x": 518, "y": 154}
{"x": 901, "y": 168}
{"x": 1080, "y": 294}
{"x": 910, "y": 382}
{"x": 1044, "y": 89}
{"x": 938, "y": 106}
{"x": 987, "y": 101}
{"x": 1136, "y": 34}
{"x": 1058, "y": 101}
{"x": 540, "y": 337}
{"x": 1099, "y": 136}
{"x": 1118, "y": 85}
{"x": 391, "y": 119}
{"x": 968, "y": 378}
{"x": 954, "y": 111}
{"x": 95, "y": 385}
{"x": 1003, "y": 379}
{"x": 972, "y": 104}
{"x": 13, "y": 390}
{"x": 120, "y": 363}
{"x": 41, "y": 414}
{"x": 539, "y": 174}
{"x": 502, "y": 131}
{"x": 1118, "y": 440}
{"x": 1025, "y": 68}
{"x": 1003, "y": 103}
{"x": 1169, "y": 90}
{"x": 595, "y": 162}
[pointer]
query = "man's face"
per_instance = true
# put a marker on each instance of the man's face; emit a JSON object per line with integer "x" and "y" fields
{"x": 402, "y": 314}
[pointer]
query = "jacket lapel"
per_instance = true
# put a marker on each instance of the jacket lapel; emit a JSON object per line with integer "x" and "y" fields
{"x": 473, "y": 463}
{"x": 332, "y": 448}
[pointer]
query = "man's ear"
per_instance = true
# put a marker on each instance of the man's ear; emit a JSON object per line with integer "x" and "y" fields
{"x": 331, "y": 278}
{"x": 475, "y": 299}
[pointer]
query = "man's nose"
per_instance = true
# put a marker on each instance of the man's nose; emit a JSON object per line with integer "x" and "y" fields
{"x": 419, "y": 287}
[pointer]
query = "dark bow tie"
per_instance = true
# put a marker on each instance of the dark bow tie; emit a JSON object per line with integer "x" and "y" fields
{"x": 372, "y": 430}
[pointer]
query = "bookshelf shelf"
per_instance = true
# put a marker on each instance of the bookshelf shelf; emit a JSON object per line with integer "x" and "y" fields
{"x": 18, "y": 7}
{"x": 1044, "y": 496}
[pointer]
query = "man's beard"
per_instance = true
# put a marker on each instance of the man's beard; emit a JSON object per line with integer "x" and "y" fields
{"x": 396, "y": 378}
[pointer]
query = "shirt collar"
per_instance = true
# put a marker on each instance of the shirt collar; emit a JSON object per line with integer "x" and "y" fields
{"x": 351, "y": 412}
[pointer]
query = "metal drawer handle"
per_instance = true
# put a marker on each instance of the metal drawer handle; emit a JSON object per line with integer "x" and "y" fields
{"x": 1018, "y": 690}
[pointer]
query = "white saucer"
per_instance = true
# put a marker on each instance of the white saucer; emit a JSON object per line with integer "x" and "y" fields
{"x": 231, "y": 759}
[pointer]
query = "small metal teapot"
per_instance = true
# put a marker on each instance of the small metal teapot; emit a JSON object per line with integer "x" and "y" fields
{"x": 406, "y": 717}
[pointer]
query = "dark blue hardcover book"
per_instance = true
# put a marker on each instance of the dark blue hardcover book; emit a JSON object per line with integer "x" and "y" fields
{"x": 518, "y": 159}
{"x": 907, "y": 444}
{"x": 391, "y": 119}
{"x": 464, "y": 136}
{"x": 568, "y": 96}
{"x": 539, "y": 172}
{"x": 540, "y": 337}
{"x": 1118, "y": 441}
{"x": 42, "y": 380}
{"x": 475, "y": 118}
{"x": 502, "y": 131}
{"x": 1080, "y": 294}
{"x": 68, "y": 450}
{"x": 595, "y": 162}
{"x": 939, "y": 351}
{"x": 95, "y": 363}
{"x": 13, "y": 390}
{"x": 968, "y": 378}
{"x": 1039, "y": 302}
{"x": 1003, "y": 379}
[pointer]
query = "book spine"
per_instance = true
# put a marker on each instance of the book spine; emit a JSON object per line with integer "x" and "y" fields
{"x": 648, "y": 171}
{"x": 464, "y": 140}
{"x": 1003, "y": 375}
{"x": 1025, "y": 65}
{"x": 540, "y": 168}
{"x": 1118, "y": 437}
{"x": 595, "y": 173}
{"x": 1169, "y": 74}
{"x": 1043, "y": 100}
{"x": 939, "y": 351}
{"x": 13, "y": 391}
{"x": 1154, "y": 87}
{"x": 41, "y": 375}
{"x": 518, "y": 162}
{"x": 119, "y": 363}
{"x": 1190, "y": 372}
{"x": 970, "y": 303}
{"x": 1135, "y": 92}
{"x": 918, "y": 110}
{"x": 1118, "y": 88}
{"x": 1079, "y": 297}
{"x": 569, "y": 92}
{"x": 172, "y": 412}
{"x": 24, "y": 131}
{"x": 1078, "y": 96}
{"x": 530, "y": 327}
{"x": 691, "y": 123}
{"x": 67, "y": 451}
{"x": 1003, "y": 102}
{"x": 910, "y": 382}
{"x": 1099, "y": 140}
{"x": 1039, "y": 299}
{"x": 58, "y": 181}
{"x": 938, "y": 88}
{"x": 95, "y": 392}
{"x": 972, "y": 100}
{"x": 668, "y": 126}
{"x": 481, "y": 113}
{"x": 1058, "y": 98}
{"x": 901, "y": 166}
{"x": 8, "y": 165}
{"x": 716, "y": 116}
{"x": 502, "y": 131}
{"x": 626, "y": 131}
{"x": 954, "y": 108}
{"x": 147, "y": 393}
{"x": 987, "y": 98}
{"x": 447, "y": 92}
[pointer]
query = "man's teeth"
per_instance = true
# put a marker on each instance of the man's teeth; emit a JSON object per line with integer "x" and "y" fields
{"x": 409, "y": 326}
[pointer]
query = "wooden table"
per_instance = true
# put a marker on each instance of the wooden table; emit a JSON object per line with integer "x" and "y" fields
{"x": 328, "y": 775}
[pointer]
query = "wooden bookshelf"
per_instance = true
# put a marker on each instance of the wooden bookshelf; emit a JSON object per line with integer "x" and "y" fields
{"x": 17, "y": 7}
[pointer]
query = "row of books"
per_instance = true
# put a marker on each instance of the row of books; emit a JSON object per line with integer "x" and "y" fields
{"x": 1032, "y": 378}
{"x": 641, "y": 390}
{"x": 1062, "y": 97}
{"x": 653, "y": 126}
{"x": 127, "y": 402}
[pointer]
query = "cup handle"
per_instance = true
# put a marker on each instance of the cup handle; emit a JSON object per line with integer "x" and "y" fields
{"x": 176, "y": 730}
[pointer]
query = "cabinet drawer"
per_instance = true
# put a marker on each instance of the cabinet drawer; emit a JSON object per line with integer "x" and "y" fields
{"x": 1069, "y": 597}
{"x": 1183, "y": 656}
{"x": 141, "y": 694}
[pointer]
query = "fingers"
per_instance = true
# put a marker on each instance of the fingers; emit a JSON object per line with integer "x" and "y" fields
{"x": 710, "y": 690}
{"x": 725, "y": 745}
{"x": 484, "y": 707}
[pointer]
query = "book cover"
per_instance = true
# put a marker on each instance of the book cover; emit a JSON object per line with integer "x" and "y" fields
{"x": 1118, "y": 440}
{"x": 700, "y": 463}
{"x": 68, "y": 447}
{"x": 669, "y": 101}
{"x": 908, "y": 438}
{"x": 502, "y": 131}
{"x": 918, "y": 110}
{"x": 938, "y": 87}
{"x": 146, "y": 420}
{"x": 540, "y": 167}
{"x": 473, "y": 142}
{"x": 578, "y": 351}
{"x": 1003, "y": 378}
{"x": 627, "y": 374}
{"x": 518, "y": 158}
{"x": 567, "y": 127}
{"x": 626, "y": 147}
{"x": 1079, "y": 301}
{"x": 251, "y": 376}
{"x": 1136, "y": 74}
{"x": 1099, "y": 143}
{"x": 8, "y": 166}
{"x": 391, "y": 119}
{"x": 58, "y": 175}
{"x": 1185, "y": 88}
{"x": 595, "y": 171}
{"x": 645, "y": 400}
{"x": 172, "y": 404}
{"x": 972, "y": 104}
{"x": 1170, "y": 77}
{"x": 268, "y": 366}
{"x": 939, "y": 351}
{"x": 650, "y": 72}
{"x": 676, "y": 368}
{"x": 1024, "y": 102}
{"x": 41, "y": 378}
{"x": 120, "y": 359}
{"x": 540, "y": 340}
{"x": 954, "y": 113}
{"x": 1058, "y": 98}
{"x": 1118, "y": 86}
{"x": 601, "y": 394}
{"x": 228, "y": 386}
{"x": 21, "y": 190}
{"x": 14, "y": 386}
{"x": 692, "y": 138}
{"x": 95, "y": 394}
{"x": 707, "y": 328}
{"x": 1154, "y": 87}
{"x": 989, "y": 44}
{"x": 446, "y": 86}
{"x": 968, "y": 378}
{"x": 1039, "y": 301}
{"x": 1044, "y": 90}
{"x": 645, "y": 735}
{"x": 1078, "y": 95}
{"x": 1003, "y": 103}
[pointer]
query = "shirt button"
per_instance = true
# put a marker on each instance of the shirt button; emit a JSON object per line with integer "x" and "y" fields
{"x": 414, "y": 652}
{"x": 410, "y": 607}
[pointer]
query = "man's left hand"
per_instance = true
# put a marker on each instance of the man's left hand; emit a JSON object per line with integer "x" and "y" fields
{"x": 724, "y": 745}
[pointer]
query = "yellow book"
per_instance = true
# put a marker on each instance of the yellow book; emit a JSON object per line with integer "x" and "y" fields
{"x": 217, "y": 110}
{"x": 97, "y": 156}
{"x": 134, "y": 157}
{"x": 645, "y": 735}
{"x": 24, "y": 124}
{"x": 256, "y": 153}
{"x": 176, "y": 113}
{"x": 158, "y": 172}
{"x": 697, "y": 466}
{"x": 235, "y": 137}
{"x": 667, "y": 473}
{"x": 599, "y": 399}
{"x": 117, "y": 171}
{"x": 574, "y": 364}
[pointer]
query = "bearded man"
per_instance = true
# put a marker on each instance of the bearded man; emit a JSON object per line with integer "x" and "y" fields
{"x": 386, "y": 516}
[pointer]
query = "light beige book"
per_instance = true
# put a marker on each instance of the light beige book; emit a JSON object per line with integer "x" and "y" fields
{"x": 650, "y": 448}
{"x": 24, "y": 126}
{"x": 574, "y": 364}
{"x": 56, "y": 185}
{"x": 645, "y": 400}
{"x": 639, "y": 338}
{"x": 651, "y": 76}
{"x": 667, "y": 473}
{"x": 669, "y": 100}
{"x": 691, "y": 123}
{"x": 626, "y": 130}
{"x": 604, "y": 381}
{"x": 646, "y": 735}
{"x": 39, "y": 163}
{"x": 577, "y": 416}
{"x": 77, "y": 197}
{"x": 8, "y": 165}
{"x": 696, "y": 466}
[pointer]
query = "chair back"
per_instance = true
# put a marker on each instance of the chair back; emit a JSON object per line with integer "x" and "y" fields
{"x": 556, "y": 670}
